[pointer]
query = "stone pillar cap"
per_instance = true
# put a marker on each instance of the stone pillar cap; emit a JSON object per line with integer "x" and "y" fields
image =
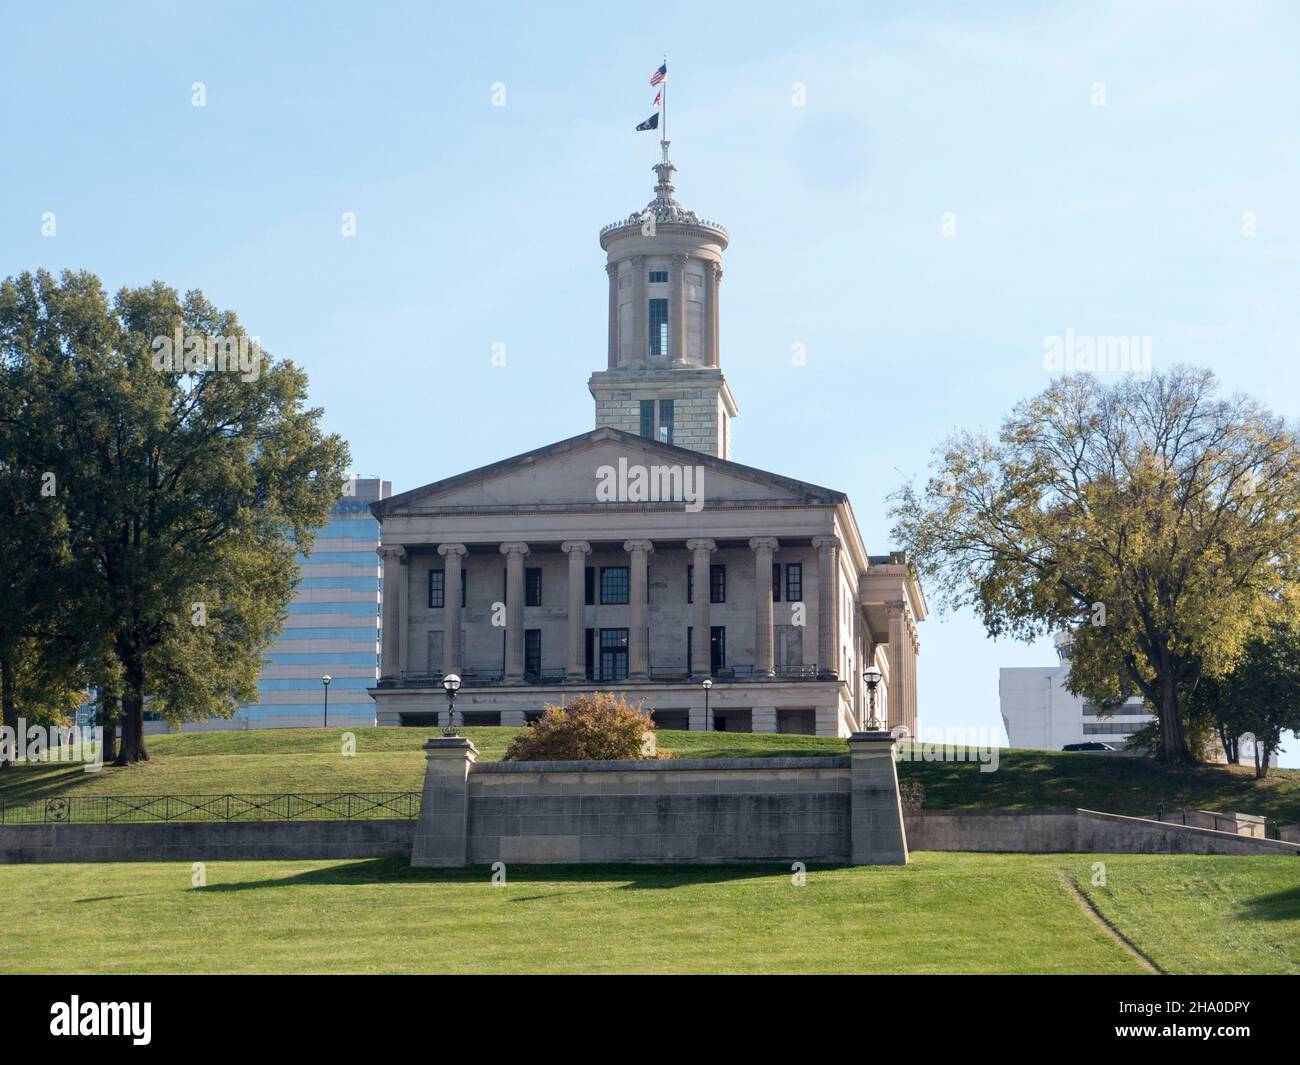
{"x": 450, "y": 744}
{"x": 872, "y": 737}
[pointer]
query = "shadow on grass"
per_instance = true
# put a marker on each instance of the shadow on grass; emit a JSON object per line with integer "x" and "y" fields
{"x": 629, "y": 877}
{"x": 1279, "y": 906}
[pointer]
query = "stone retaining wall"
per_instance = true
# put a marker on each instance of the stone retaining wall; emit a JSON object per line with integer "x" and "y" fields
{"x": 198, "y": 841}
{"x": 824, "y": 810}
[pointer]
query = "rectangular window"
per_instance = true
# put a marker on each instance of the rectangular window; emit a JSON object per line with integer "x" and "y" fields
{"x": 532, "y": 652}
{"x": 590, "y": 590}
{"x": 437, "y": 589}
{"x": 690, "y": 584}
{"x": 613, "y": 654}
{"x": 613, "y": 584}
{"x": 658, "y": 277}
{"x": 533, "y": 586}
{"x": 718, "y": 648}
{"x": 794, "y": 582}
{"x": 464, "y": 583}
{"x": 776, "y": 582}
{"x": 590, "y": 650}
{"x": 658, "y": 318}
{"x": 665, "y": 421}
{"x": 648, "y": 418}
{"x": 717, "y": 584}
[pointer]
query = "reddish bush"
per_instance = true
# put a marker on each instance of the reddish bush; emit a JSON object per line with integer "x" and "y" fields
{"x": 591, "y": 727}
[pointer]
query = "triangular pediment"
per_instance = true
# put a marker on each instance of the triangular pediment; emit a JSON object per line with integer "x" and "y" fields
{"x": 607, "y": 466}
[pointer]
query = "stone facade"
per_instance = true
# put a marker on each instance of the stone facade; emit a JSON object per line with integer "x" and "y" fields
{"x": 638, "y": 557}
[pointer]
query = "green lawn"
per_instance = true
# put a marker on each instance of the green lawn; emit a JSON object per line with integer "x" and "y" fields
{"x": 389, "y": 759}
{"x": 966, "y": 913}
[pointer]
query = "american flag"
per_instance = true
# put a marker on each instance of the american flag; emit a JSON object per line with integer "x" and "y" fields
{"x": 659, "y": 75}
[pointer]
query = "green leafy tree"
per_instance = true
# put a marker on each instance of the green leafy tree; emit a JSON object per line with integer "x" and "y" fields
{"x": 1261, "y": 695}
{"x": 187, "y": 492}
{"x": 1156, "y": 521}
{"x": 39, "y": 651}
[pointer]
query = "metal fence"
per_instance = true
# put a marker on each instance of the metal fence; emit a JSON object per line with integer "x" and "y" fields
{"x": 282, "y": 806}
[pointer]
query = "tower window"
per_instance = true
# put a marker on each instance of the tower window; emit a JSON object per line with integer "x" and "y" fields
{"x": 658, "y": 277}
{"x": 648, "y": 418}
{"x": 658, "y": 327}
{"x": 665, "y": 421}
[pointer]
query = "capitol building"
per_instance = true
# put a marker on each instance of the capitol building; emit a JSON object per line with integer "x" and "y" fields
{"x": 638, "y": 557}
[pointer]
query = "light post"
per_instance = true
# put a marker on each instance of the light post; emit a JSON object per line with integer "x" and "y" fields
{"x": 451, "y": 685}
{"x": 708, "y": 718}
{"x": 326, "y": 681}
{"x": 871, "y": 677}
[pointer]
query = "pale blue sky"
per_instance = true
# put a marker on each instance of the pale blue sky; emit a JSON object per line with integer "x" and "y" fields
{"x": 478, "y": 224}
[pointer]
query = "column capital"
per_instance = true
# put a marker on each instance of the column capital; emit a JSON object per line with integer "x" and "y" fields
{"x": 638, "y": 260}
{"x": 570, "y": 547}
{"x": 896, "y": 608}
{"x": 516, "y": 547}
{"x": 764, "y": 543}
{"x": 393, "y": 552}
{"x": 451, "y": 549}
{"x": 639, "y": 545}
{"x": 680, "y": 260}
{"x": 701, "y": 545}
{"x": 825, "y": 542}
{"x": 611, "y": 269}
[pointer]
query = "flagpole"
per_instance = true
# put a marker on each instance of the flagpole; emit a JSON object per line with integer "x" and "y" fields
{"x": 663, "y": 140}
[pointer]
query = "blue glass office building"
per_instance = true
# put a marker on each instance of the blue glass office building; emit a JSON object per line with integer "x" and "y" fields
{"x": 332, "y": 628}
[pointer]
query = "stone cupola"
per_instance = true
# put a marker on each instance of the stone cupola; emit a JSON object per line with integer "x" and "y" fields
{"x": 663, "y": 377}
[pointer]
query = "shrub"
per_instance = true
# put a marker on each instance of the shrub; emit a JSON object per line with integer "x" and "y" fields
{"x": 590, "y": 727}
{"x": 911, "y": 796}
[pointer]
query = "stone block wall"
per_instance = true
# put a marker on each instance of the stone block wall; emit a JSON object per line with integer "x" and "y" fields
{"x": 813, "y": 810}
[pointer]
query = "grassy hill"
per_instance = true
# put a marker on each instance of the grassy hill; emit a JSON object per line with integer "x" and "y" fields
{"x": 954, "y": 913}
{"x": 390, "y": 759}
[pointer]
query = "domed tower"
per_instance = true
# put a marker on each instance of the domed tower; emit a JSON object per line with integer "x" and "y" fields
{"x": 664, "y": 378}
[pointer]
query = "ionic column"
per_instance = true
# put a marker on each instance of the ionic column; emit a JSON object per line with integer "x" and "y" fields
{"x": 763, "y": 653}
{"x": 827, "y": 604}
{"x": 677, "y": 309}
{"x": 390, "y": 656}
{"x": 515, "y": 554}
{"x": 451, "y": 585}
{"x": 709, "y": 339}
{"x": 577, "y": 550}
{"x": 700, "y": 657}
{"x": 897, "y": 663}
{"x": 612, "y": 270}
{"x": 913, "y": 650}
{"x": 640, "y": 331}
{"x": 638, "y": 655}
{"x": 715, "y": 333}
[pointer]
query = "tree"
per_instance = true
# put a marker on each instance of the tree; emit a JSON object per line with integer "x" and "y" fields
{"x": 187, "y": 487}
{"x": 1156, "y": 521}
{"x": 1262, "y": 693}
{"x": 39, "y": 675}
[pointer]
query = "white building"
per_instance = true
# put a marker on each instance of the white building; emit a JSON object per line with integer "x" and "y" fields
{"x": 637, "y": 556}
{"x": 1041, "y": 714}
